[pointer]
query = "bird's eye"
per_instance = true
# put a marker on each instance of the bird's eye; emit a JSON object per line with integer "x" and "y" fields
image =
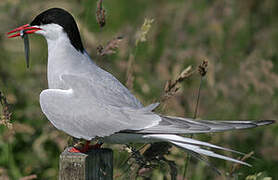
{"x": 44, "y": 21}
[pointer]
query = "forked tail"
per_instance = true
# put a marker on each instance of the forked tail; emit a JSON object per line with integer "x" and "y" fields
{"x": 169, "y": 127}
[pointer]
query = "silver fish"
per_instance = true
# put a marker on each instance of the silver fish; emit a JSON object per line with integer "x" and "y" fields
{"x": 25, "y": 38}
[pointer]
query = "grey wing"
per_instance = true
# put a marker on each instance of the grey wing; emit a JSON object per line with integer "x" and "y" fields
{"x": 106, "y": 87}
{"x": 178, "y": 125}
{"x": 79, "y": 111}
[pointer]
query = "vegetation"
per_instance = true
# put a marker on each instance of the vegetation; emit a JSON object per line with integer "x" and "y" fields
{"x": 239, "y": 39}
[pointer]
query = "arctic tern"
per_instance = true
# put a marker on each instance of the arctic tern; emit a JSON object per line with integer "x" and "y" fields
{"x": 86, "y": 102}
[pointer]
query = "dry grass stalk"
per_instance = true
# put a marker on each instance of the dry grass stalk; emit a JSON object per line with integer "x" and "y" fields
{"x": 6, "y": 115}
{"x": 171, "y": 87}
{"x": 129, "y": 73}
{"x": 141, "y": 35}
{"x": 203, "y": 68}
{"x": 236, "y": 166}
{"x": 110, "y": 48}
{"x": 100, "y": 14}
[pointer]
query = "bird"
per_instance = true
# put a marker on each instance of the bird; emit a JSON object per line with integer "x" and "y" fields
{"x": 87, "y": 102}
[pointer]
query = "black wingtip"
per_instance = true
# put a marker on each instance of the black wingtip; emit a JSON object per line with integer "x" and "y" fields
{"x": 265, "y": 122}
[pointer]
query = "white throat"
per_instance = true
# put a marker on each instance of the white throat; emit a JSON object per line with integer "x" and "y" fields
{"x": 62, "y": 56}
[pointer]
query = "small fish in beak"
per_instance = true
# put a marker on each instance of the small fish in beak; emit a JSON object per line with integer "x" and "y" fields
{"x": 23, "y": 32}
{"x": 25, "y": 38}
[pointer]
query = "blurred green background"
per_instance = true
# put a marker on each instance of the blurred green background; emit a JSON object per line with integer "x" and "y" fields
{"x": 238, "y": 38}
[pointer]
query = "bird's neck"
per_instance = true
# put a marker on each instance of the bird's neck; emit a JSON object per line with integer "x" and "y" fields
{"x": 62, "y": 59}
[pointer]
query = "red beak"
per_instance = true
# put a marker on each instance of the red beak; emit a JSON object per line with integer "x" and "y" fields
{"x": 27, "y": 30}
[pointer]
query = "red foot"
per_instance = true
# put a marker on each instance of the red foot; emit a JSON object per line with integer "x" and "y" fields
{"x": 74, "y": 150}
{"x": 86, "y": 148}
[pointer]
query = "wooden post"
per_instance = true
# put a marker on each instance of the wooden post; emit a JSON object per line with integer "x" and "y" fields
{"x": 94, "y": 165}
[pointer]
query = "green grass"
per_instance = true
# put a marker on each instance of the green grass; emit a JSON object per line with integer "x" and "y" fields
{"x": 239, "y": 38}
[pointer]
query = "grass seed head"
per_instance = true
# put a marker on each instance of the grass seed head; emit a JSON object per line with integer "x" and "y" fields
{"x": 100, "y": 14}
{"x": 141, "y": 35}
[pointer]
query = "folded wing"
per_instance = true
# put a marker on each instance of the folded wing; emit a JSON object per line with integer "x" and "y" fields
{"x": 79, "y": 112}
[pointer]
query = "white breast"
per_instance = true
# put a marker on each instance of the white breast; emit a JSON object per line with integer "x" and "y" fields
{"x": 64, "y": 58}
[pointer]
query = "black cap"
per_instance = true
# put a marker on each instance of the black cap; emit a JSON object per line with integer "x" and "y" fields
{"x": 63, "y": 18}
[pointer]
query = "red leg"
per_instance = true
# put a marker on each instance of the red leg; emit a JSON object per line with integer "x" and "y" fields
{"x": 86, "y": 147}
{"x": 74, "y": 150}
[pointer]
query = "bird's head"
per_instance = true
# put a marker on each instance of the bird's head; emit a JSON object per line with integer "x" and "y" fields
{"x": 52, "y": 24}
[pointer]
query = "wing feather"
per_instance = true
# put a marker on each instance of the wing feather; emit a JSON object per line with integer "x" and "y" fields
{"x": 82, "y": 113}
{"x": 178, "y": 125}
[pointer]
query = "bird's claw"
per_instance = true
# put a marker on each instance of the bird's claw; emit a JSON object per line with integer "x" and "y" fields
{"x": 74, "y": 150}
{"x": 87, "y": 147}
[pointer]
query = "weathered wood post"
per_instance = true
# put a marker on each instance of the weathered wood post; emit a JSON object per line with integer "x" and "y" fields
{"x": 97, "y": 164}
